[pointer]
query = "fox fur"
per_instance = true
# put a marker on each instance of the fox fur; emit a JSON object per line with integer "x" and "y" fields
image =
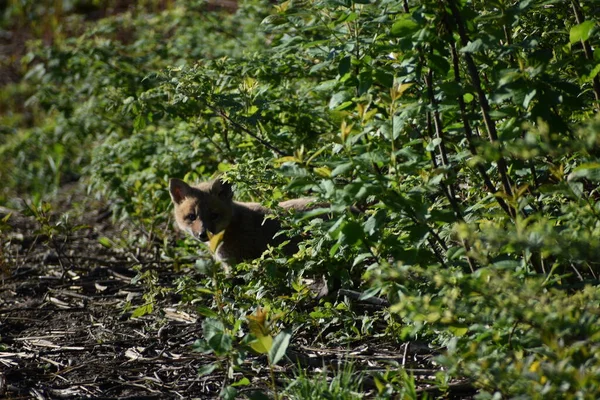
{"x": 208, "y": 208}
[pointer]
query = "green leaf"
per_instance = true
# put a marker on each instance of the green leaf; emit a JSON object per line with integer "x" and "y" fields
{"x": 530, "y": 96}
{"x": 221, "y": 343}
{"x": 375, "y": 223}
{"x": 206, "y": 312}
{"x": 242, "y": 382}
{"x": 344, "y": 66}
{"x": 280, "y": 345}
{"x": 458, "y": 329}
{"x": 589, "y": 171}
{"x": 229, "y": 393}
{"x": 212, "y": 327}
{"x": 360, "y": 258}
{"x": 473, "y": 47}
{"x": 431, "y": 146}
{"x": 104, "y": 241}
{"x": 439, "y": 64}
{"x": 371, "y": 292}
{"x": 263, "y": 344}
{"x": 258, "y": 395}
{"x": 352, "y": 232}
{"x": 595, "y": 71}
{"x": 139, "y": 122}
{"x": 342, "y": 169}
{"x": 338, "y": 99}
{"x": 581, "y": 32}
{"x": 398, "y": 123}
{"x": 143, "y": 310}
{"x": 201, "y": 346}
{"x": 404, "y": 26}
{"x": 334, "y": 249}
{"x": 204, "y": 265}
{"x": 384, "y": 78}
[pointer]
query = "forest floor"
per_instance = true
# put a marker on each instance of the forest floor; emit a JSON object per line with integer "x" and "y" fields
{"x": 66, "y": 329}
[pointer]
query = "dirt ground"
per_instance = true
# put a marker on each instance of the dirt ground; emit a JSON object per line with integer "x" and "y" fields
{"x": 66, "y": 331}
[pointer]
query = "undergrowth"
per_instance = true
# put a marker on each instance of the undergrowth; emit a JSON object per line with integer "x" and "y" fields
{"x": 466, "y": 133}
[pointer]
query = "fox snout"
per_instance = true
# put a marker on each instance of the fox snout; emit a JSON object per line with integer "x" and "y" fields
{"x": 203, "y": 235}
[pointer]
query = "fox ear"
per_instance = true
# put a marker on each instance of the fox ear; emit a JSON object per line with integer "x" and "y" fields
{"x": 178, "y": 190}
{"x": 222, "y": 189}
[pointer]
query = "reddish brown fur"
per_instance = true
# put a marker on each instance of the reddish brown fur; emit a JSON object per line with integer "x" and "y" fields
{"x": 246, "y": 231}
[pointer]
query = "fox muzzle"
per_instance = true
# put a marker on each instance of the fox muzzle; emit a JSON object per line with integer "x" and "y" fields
{"x": 203, "y": 235}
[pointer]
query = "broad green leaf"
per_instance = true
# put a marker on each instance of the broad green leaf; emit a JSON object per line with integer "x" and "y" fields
{"x": 228, "y": 393}
{"x": 280, "y": 345}
{"x": 211, "y": 327}
{"x": 257, "y": 324}
{"x": 371, "y": 292}
{"x": 344, "y": 66}
{"x": 375, "y": 223}
{"x": 439, "y": 64}
{"x": 324, "y": 172}
{"x": 473, "y": 47}
{"x": 384, "y": 78}
{"x": 215, "y": 241}
{"x": 201, "y": 346}
{"x": 360, "y": 258}
{"x": 342, "y": 169}
{"x": 221, "y": 343}
{"x": 338, "y": 99}
{"x": 204, "y": 265}
{"x": 581, "y": 32}
{"x": 352, "y": 232}
{"x": 404, "y": 26}
{"x": 262, "y": 344}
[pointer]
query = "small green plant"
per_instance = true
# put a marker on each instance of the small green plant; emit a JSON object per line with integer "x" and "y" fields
{"x": 345, "y": 383}
{"x": 55, "y": 232}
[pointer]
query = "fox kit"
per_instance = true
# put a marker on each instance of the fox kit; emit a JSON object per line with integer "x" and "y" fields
{"x": 208, "y": 209}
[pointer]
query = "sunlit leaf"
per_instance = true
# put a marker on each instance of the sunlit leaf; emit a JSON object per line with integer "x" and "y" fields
{"x": 581, "y": 31}
{"x": 280, "y": 345}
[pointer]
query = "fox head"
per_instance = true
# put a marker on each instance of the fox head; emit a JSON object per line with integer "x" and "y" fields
{"x": 203, "y": 210}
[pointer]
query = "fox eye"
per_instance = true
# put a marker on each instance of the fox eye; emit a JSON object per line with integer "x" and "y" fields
{"x": 190, "y": 217}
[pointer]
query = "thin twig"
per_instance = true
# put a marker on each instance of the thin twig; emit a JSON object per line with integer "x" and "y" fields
{"x": 483, "y": 101}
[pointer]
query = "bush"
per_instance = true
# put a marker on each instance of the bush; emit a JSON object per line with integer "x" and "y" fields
{"x": 465, "y": 130}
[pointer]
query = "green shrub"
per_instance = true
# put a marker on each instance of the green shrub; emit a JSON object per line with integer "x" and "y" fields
{"x": 466, "y": 131}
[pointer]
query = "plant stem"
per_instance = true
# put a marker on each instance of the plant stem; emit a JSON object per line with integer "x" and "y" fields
{"x": 273, "y": 386}
{"x": 469, "y": 134}
{"x": 483, "y": 102}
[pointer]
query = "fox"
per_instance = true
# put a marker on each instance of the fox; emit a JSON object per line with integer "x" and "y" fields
{"x": 208, "y": 208}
